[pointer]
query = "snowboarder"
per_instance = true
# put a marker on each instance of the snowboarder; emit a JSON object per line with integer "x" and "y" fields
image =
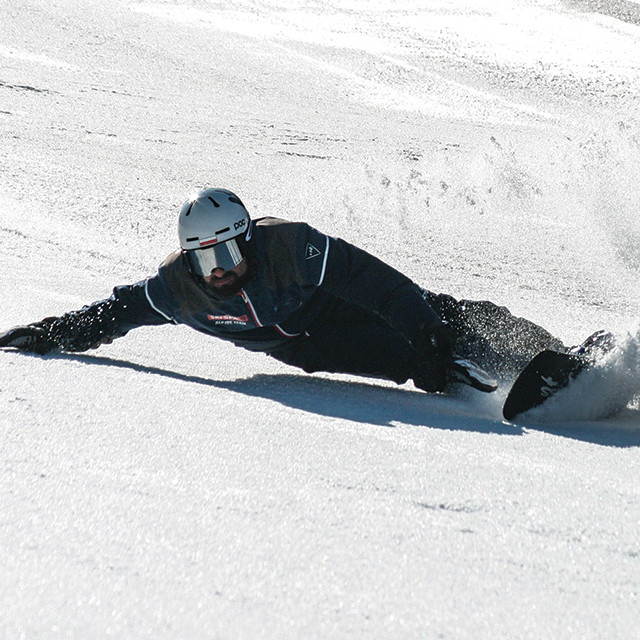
{"x": 306, "y": 299}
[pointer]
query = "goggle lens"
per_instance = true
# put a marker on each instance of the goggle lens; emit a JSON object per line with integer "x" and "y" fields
{"x": 225, "y": 255}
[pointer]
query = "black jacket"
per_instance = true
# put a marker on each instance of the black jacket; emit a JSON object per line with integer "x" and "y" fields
{"x": 295, "y": 274}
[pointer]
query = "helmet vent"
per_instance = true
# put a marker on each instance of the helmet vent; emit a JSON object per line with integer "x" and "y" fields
{"x": 189, "y": 209}
{"x": 193, "y": 239}
{"x": 222, "y": 231}
{"x": 215, "y": 204}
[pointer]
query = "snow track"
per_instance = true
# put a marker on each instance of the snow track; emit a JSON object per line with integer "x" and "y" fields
{"x": 170, "y": 486}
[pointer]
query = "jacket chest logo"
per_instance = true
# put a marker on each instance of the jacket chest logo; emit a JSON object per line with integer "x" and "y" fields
{"x": 227, "y": 319}
{"x": 311, "y": 252}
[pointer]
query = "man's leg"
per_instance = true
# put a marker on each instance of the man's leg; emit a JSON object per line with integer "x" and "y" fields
{"x": 351, "y": 340}
{"x": 490, "y": 335}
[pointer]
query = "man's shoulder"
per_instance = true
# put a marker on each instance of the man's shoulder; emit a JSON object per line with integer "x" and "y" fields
{"x": 291, "y": 251}
{"x": 279, "y": 230}
{"x": 180, "y": 290}
{"x": 171, "y": 274}
{"x": 173, "y": 261}
{"x": 272, "y": 221}
{"x": 275, "y": 225}
{"x": 279, "y": 235}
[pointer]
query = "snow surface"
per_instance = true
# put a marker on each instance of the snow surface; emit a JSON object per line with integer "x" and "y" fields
{"x": 170, "y": 486}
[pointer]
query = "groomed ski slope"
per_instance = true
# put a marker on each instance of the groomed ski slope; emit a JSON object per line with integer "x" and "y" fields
{"x": 169, "y": 486}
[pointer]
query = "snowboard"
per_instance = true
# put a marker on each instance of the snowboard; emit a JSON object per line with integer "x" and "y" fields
{"x": 545, "y": 375}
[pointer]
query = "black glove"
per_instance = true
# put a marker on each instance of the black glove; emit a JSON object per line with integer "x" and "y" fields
{"x": 436, "y": 347}
{"x": 440, "y": 365}
{"x": 31, "y": 337}
{"x": 439, "y": 341}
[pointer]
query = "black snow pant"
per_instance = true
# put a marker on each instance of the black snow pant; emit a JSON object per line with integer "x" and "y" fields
{"x": 501, "y": 343}
{"x": 351, "y": 340}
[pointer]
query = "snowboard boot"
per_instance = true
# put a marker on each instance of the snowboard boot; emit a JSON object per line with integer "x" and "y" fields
{"x": 595, "y": 346}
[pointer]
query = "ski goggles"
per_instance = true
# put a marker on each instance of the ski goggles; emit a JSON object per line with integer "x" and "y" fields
{"x": 225, "y": 255}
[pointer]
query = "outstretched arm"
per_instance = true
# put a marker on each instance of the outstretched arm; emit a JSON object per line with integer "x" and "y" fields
{"x": 95, "y": 324}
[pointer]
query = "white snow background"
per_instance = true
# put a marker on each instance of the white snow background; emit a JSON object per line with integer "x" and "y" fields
{"x": 172, "y": 486}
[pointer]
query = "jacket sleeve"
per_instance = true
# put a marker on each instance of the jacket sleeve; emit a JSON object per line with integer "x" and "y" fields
{"x": 101, "y": 322}
{"x": 355, "y": 276}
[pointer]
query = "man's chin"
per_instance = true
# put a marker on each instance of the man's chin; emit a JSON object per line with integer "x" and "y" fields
{"x": 226, "y": 289}
{"x": 226, "y": 292}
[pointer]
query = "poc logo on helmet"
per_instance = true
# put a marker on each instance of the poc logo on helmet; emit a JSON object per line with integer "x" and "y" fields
{"x": 239, "y": 224}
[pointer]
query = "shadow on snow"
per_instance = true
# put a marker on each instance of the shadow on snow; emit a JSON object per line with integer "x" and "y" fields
{"x": 371, "y": 404}
{"x": 362, "y": 402}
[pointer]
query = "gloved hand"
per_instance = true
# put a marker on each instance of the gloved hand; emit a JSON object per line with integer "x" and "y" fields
{"x": 436, "y": 348}
{"x": 441, "y": 365}
{"x": 439, "y": 341}
{"x": 31, "y": 337}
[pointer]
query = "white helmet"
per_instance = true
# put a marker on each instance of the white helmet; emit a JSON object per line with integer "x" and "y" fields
{"x": 210, "y": 226}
